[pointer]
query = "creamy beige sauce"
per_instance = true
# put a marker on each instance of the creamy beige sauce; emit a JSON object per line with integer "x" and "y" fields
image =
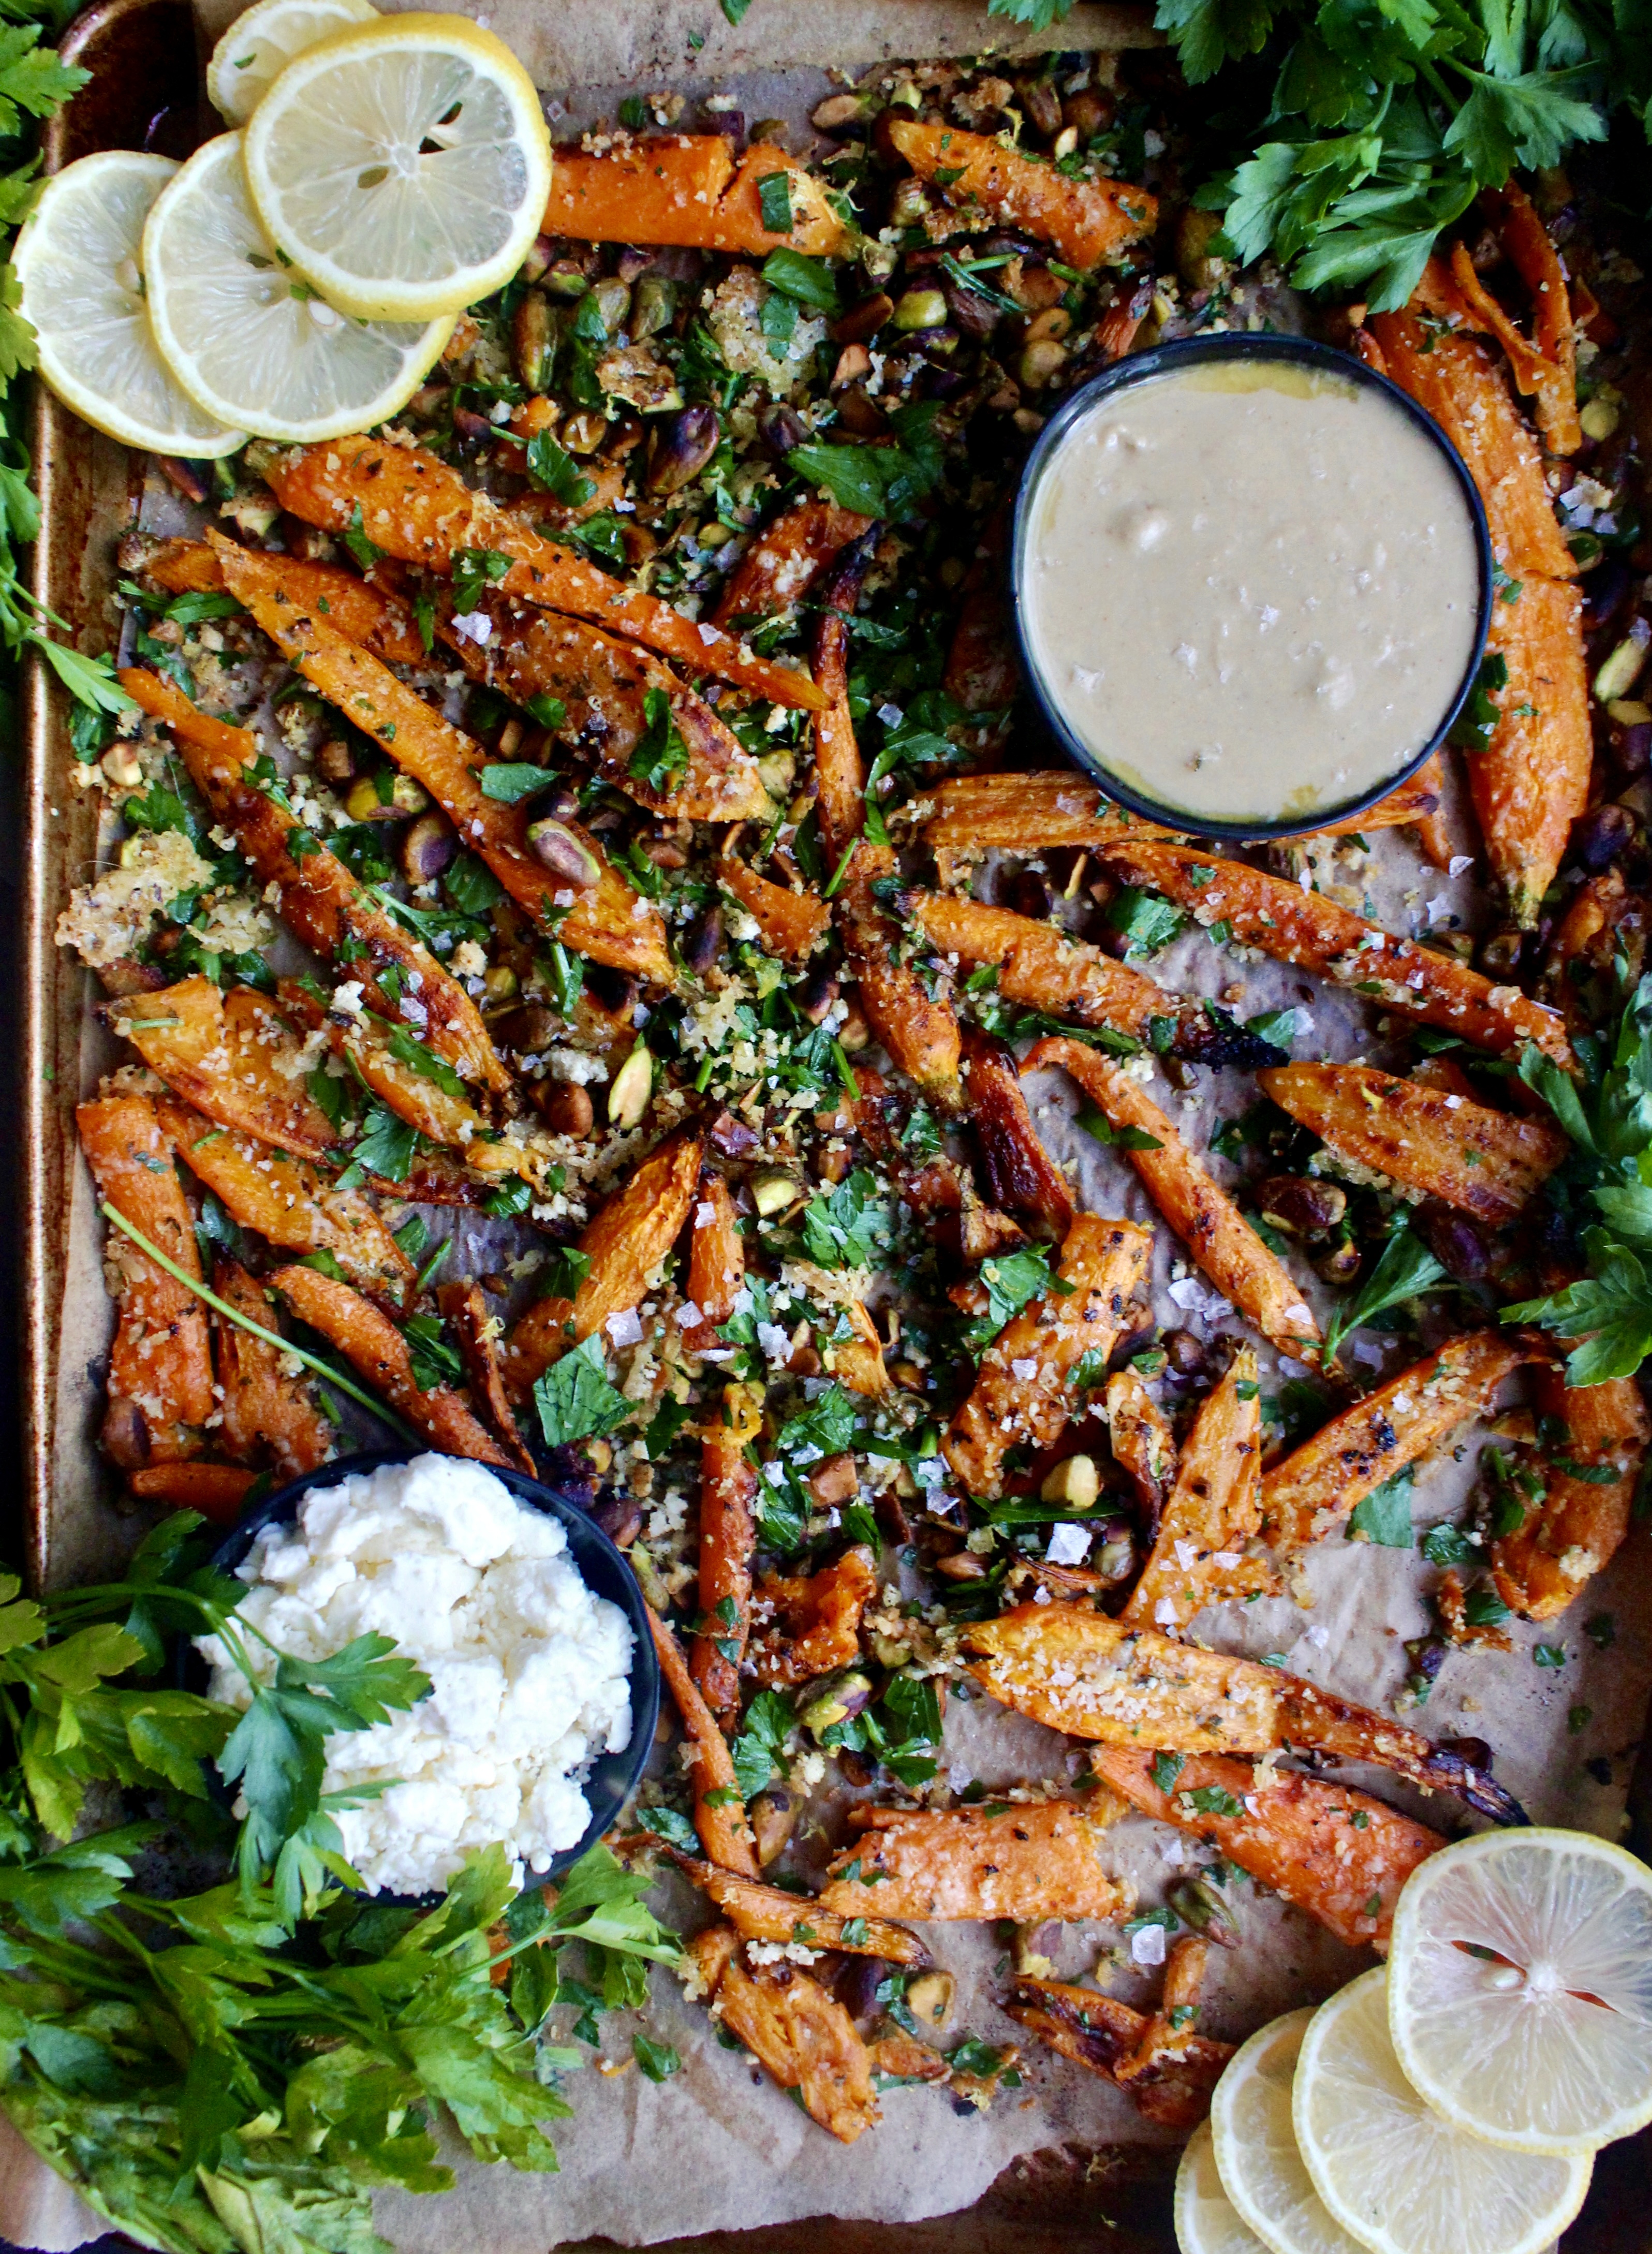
{"x": 1252, "y": 590}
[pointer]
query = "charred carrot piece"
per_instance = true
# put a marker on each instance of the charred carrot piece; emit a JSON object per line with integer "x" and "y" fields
{"x": 414, "y": 507}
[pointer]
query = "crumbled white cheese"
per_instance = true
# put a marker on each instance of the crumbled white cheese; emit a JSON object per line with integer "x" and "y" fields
{"x": 528, "y": 1669}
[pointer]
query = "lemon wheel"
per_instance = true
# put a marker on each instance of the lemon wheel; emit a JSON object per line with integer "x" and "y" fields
{"x": 1255, "y": 2144}
{"x": 78, "y": 264}
{"x": 1392, "y": 2171}
{"x": 403, "y": 166}
{"x": 258, "y": 46}
{"x": 1520, "y": 1989}
{"x": 246, "y": 338}
{"x": 1207, "y": 2220}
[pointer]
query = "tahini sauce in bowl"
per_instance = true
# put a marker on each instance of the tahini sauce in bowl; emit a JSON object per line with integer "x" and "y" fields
{"x": 1252, "y": 583}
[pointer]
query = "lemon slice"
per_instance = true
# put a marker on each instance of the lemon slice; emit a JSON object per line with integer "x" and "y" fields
{"x": 1395, "y": 2175}
{"x": 1520, "y": 1988}
{"x": 403, "y": 166}
{"x": 259, "y": 45}
{"x": 1261, "y": 2170}
{"x": 77, "y": 261}
{"x": 1207, "y": 2221}
{"x": 246, "y": 338}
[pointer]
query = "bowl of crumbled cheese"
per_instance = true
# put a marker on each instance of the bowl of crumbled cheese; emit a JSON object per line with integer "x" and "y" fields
{"x": 544, "y": 1686}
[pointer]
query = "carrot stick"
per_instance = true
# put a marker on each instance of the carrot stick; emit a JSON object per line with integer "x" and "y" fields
{"x": 412, "y": 506}
{"x": 719, "y": 1812}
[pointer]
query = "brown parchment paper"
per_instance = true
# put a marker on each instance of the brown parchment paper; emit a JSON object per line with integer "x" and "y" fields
{"x": 716, "y": 2145}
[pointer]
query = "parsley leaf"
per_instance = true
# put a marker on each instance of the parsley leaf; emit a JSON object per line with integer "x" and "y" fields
{"x": 802, "y": 277}
{"x": 554, "y": 470}
{"x": 574, "y": 1398}
{"x": 660, "y": 755}
{"x": 848, "y": 1228}
{"x": 877, "y": 481}
{"x": 759, "y": 1747}
{"x": 475, "y": 569}
{"x": 1384, "y": 1515}
{"x": 1405, "y": 1270}
{"x": 276, "y": 1752}
{"x": 509, "y": 781}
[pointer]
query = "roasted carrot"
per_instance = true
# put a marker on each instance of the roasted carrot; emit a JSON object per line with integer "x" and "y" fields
{"x": 1200, "y": 1555}
{"x": 1085, "y": 221}
{"x": 378, "y": 1350}
{"x": 1037, "y": 1860}
{"x": 762, "y": 1913}
{"x": 1022, "y": 1394}
{"x": 803, "y": 1626}
{"x": 790, "y": 924}
{"x": 1206, "y": 1220}
{"x": 465, "y": 1310}
{"x": 1532, "y": 253}
{"x": 287, "y": 1202}
{"x": 384, "y": 1058}
{"x": 1312, "y": 932}
{"x": 601, "y": 916}
{"x": 1455, "y": 380}
{"x": 728, "y": 1537}
{"x": 1531, "y": 781}
{"x": 375, "y": 616}
{"x": 319, "y": 897}
{"x": 160, "y": 1379}
{"x": 1552, "y": 386}
{"x": 1589, "y": 1477}
{"x": 414, "y": 507}
{"x": 1118, "y": 1683}
{"x": 801, "y": 2033}
{"x": 620, "y": 703}
{"x": 216, "y": 1490}
{"x": 717, "y": 1264}
{"x": 920, "y": 1034}
{"x": 786, "y": 559}
{"x": 1143, "y": 1446}
{"x": 1097, "y": 2031}
{"x": 719, "y": 1812}
{"x": 1040, "y": 966}
{"x": 686, "y": 189}
{"x": 1021, "y": 1177}
{"x": 267, "y": 1416}
{"x": 1484, "y": 1162}
{"x": 1035, "y": 813}
{"x": 623, "y": 1243}
{"x": 1338, "y": 1854}
{"x": 1317, "y": 1486}
{"x": 224, "y": 1053}
{"x": 1168, "y": 2039}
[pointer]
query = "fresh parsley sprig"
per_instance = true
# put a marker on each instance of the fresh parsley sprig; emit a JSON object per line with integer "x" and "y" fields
{"x": 1360, "y": 128}
{"x": 239, "y": 2067}
{"x": 1608, "y": 1113}
{"x": 34, "y": 83}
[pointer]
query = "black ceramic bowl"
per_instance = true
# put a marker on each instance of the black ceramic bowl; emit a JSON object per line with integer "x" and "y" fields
{"x": 613, "y": 1776}
{"x": 1169, "y": 360}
